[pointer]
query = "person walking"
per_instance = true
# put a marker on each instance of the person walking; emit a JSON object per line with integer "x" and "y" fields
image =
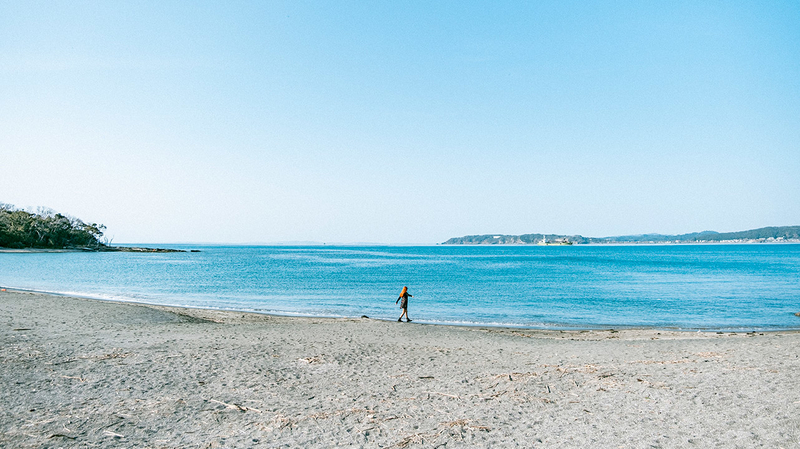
{"x": 403, "y": 300}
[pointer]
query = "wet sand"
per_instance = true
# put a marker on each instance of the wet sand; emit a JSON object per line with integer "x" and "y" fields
{"x": 86, "y": 373}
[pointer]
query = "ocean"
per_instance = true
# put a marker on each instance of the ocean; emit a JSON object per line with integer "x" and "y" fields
{"x": 691, "y": 287}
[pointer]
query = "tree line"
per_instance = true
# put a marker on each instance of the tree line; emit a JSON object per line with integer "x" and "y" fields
{"x": 47, "y": 229}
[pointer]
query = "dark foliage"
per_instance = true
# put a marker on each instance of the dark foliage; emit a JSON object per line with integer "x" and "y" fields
{"x": 46, "y": 229}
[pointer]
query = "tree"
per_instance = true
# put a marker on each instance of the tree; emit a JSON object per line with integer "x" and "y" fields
{"x": 46, "y": 229}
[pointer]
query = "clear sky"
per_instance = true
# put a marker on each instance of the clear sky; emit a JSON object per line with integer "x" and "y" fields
{"x": 401, "y": 122}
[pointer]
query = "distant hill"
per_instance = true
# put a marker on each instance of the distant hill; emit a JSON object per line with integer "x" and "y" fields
{"x": 524, "y": 239}
{"x": 769, "y": 234}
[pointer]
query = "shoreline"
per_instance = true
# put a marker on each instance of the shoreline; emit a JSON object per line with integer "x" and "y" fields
{"x": 81, "y": 372}
{"x": 147, "y": 249}
{"x": 106, "y": 249}
{"x": 554, "y": 328}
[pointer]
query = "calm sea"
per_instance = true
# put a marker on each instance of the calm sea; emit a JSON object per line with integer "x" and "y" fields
{"x": 718, "y": 287}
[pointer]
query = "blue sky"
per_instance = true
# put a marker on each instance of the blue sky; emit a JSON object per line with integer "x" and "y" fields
{"x": 401, "y": 122}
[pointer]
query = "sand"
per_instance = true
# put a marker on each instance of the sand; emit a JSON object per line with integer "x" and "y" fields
{"x": 85, "y": 373}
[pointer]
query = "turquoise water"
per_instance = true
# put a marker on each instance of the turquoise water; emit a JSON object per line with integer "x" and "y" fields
{"x": 719, "y": 287}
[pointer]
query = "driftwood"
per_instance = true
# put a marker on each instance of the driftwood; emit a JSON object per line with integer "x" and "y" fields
{"x": 61, "y": 435}
{"x": 443, "y": 394}
{"x": 241, "y": 408}
{"x": 75, "y": 377}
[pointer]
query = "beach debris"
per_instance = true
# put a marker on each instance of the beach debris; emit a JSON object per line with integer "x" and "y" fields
{"x": 465, "y": 423}
{"x": 364, "y": 316}
{"x": 443, "y": 394}
{"x": 61, "y": 435}
{"x": 280, "y": 421}
{"x": 426, "y": 377}
{"x": 241, "y": 408}
{"x": 351, "y": 411}
{"x": 445, "y": 427}
{"x": 75, "y": 377}
{"x": 417, "y": 438}
{"x": 516, "y": 374}
{"x": 113, "y": 434}
{"x": 36, "y": 423}
{"x": 112, "y": 355}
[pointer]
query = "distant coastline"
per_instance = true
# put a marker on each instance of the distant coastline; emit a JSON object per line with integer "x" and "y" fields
{"x": 772, "y": 234}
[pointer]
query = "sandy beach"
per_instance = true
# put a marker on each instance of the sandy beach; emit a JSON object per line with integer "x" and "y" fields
{"x": 85, "y": 373}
